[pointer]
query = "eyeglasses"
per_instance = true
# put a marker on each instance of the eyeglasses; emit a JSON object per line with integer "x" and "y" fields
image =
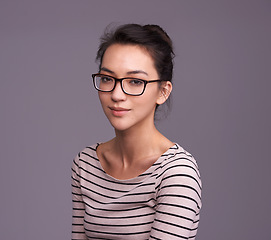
{"x": 130, "y": 86}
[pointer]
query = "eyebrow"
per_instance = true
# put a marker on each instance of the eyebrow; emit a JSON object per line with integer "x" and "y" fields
{"x": 129, "y": 72}
{"x": 106, "y": 70}
{"x": 137, "y": 72}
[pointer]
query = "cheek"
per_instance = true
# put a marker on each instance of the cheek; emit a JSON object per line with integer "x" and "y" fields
{"x": 102, "y": 98}
{"x": 104, "y": 102}
{"x": 147, "y": 103}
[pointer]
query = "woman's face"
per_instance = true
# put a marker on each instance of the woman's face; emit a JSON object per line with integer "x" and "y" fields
{"x": 122, "y": 110}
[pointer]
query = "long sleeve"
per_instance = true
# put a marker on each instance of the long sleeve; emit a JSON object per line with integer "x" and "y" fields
{"x": 78, "y": 231}
{"x": 178, "y": 201}
{"x": 162, "y": 203}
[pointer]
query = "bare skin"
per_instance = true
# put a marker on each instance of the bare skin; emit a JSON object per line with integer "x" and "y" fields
{"x": 137, "y": 144}
{"x": 124, "y": 158}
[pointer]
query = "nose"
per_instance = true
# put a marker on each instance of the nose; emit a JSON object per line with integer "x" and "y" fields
{"x": 117, "y": 94}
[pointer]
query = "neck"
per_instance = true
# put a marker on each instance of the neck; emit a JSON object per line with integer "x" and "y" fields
{"x": 136, "y": 144}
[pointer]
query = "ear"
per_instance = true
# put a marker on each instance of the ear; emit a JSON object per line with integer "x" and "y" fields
{"x": 165, "y": 90}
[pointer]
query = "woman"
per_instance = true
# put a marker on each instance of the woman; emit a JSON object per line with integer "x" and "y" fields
{"x": 139, "y": 185}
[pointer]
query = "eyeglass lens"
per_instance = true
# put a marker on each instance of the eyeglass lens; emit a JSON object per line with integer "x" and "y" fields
{"x": 129, "y": 85}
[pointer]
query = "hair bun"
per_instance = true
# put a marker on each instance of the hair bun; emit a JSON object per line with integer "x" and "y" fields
{"x": 159, "y": 31}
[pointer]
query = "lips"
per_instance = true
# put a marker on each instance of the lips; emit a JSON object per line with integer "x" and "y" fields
{"x": 119, "y": 111}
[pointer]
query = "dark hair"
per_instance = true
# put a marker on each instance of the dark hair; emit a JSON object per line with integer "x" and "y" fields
{"x": 151, "y": 37}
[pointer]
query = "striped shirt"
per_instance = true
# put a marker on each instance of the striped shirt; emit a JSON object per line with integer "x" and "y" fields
{"x": 164, "y": 202}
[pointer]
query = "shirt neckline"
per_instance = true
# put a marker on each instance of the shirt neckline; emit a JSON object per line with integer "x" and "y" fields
{"x": 141, "y": 176}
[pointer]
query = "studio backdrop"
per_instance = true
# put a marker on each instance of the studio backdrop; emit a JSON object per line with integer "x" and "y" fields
{"x": 50, "y": 110}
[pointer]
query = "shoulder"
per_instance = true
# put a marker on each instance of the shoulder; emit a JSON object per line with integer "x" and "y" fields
{"x": 88, "y": 156}
{"x": 179, "y": 165}
{"x": 178, "y": 156}
{"x": 179, "y": 178}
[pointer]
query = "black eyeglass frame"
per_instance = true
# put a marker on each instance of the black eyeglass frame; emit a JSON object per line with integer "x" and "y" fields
{"x": 120, "y": 80}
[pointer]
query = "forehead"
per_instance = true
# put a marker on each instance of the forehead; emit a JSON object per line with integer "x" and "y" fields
{"x": 120, "y": 57}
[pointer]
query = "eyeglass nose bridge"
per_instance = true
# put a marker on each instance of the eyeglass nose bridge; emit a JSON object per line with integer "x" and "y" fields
{"x": 120, "y": 80}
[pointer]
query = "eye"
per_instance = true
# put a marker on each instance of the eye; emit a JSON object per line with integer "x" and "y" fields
{"x": 135, "y": 82}
{"x": 106, "y": 79}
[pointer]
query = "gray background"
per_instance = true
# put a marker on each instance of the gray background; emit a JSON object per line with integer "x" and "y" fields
{"x": 49, "y": 110}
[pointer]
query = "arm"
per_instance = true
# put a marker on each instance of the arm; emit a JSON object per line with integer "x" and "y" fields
{"x": 78, "y": 232}
{"x": 178, "y": 202}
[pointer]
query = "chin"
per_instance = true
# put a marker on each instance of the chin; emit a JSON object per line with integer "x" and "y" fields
{"x": 126, "y": 123}
{"x": 120, "y": 124}
{"x": 120, "y": 127}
